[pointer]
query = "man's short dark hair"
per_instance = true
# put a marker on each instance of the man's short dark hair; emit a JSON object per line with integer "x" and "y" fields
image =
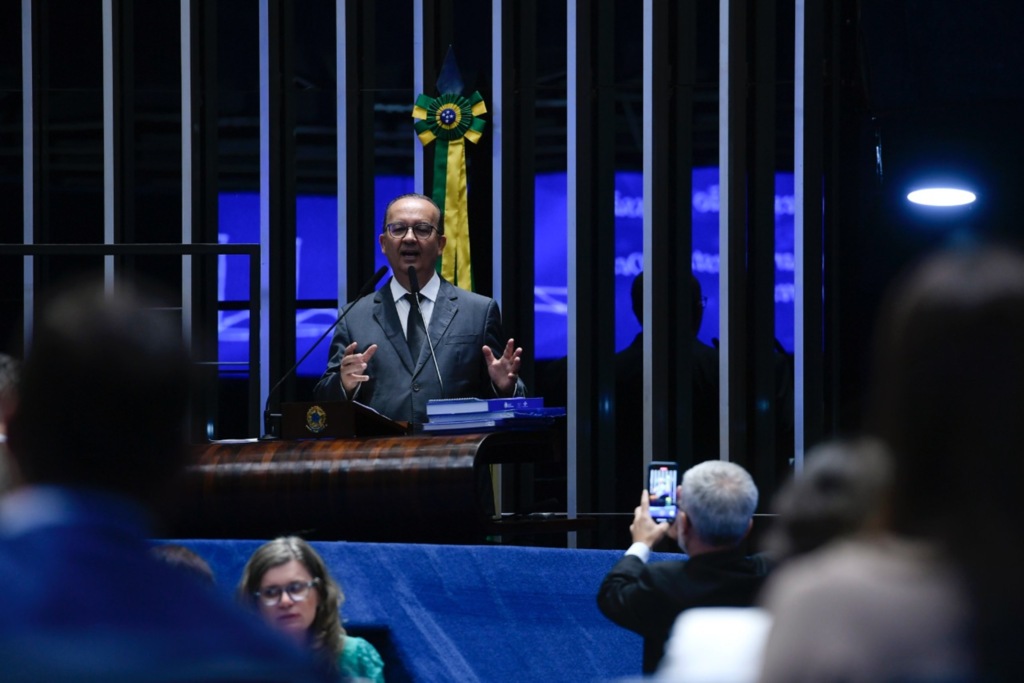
{"x": 103, "y": 393}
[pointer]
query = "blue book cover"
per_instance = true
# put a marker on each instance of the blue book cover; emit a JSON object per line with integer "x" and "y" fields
{"x": 457, "y": 406}
{"x": 486, "y": 423}
{"x": 499, "y": 415}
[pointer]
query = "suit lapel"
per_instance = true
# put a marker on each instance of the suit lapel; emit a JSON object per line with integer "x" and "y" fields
{"x": 386, "y": 315}
{"x": 445, "y": 308}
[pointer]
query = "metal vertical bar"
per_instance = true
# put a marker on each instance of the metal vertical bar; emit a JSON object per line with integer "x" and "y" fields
{"x": 185, "y": 28}
{"x": 264, "y": 66}
{"x": 725, "y": 194}
{"x": 28, "y": 158}
{"x": 809, "y": 174}
{"x": 799, "y": 179}
{"x": 417, "y": 88}
{"x": 497, "y": 110}
{"x": 652, "y": 167}
{"x": 572, "y": 470}
{"x": 187, "y": 161}
{"x": 732, "y": 224}
{"x": 341, "y": 125}
{"x": 109, "y": 141}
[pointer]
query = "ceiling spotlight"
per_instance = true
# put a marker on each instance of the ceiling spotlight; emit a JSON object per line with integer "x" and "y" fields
{"x": 941, "y": 196}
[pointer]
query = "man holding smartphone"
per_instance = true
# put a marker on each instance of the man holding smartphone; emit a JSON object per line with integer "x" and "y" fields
{"x": 716, "y": 504}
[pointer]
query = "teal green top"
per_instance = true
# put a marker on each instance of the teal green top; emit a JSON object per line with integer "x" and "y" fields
{"x": 360, "y": 660}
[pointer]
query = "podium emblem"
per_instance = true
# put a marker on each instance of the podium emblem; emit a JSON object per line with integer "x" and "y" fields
{"x": 316, "y": 419}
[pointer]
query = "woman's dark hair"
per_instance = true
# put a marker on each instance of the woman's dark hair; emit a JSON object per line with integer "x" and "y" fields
{"x": 326, "y": 631}
{"x": 948, "y": 399}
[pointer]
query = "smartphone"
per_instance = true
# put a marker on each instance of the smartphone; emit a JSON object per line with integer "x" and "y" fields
{"x": 662, "y": 479}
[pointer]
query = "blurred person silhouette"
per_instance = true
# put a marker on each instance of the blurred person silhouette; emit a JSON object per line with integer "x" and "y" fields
{"x": 935, "y": 594}
{"x": 97, "y": 435}
{"x": 839, "y": 492}
{"x": 629, "y": 395}
{"x": 288, "y": 583}
{"x": 8, "y": 389}
{"x": 185, "y": 559}
{"x": 717, "y": 500}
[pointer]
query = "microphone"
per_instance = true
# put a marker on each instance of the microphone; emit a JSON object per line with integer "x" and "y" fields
{"x": 414, "y": 285}
{"x": 368, "y": 287}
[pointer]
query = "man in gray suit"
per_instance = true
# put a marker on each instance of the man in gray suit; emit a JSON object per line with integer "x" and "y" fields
{"x": 371, "y": 359}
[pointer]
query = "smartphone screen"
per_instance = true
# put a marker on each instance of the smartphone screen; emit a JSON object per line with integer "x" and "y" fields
{"x": 662, "y": 479}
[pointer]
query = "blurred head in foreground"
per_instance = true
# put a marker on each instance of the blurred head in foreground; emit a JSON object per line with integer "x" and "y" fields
{"x": 103, "y": 394}
{"x": 840, "y": 492}
{"x": 948, "y": 401}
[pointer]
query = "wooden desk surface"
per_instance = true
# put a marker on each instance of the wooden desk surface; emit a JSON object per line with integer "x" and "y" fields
{"x": 415, "y": 488}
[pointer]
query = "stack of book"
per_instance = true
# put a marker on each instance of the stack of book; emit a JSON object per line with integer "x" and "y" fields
{"x": 481, "y": 414}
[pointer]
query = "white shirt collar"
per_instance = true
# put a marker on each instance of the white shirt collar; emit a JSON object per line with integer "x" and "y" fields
{"x": 428, "y": 291}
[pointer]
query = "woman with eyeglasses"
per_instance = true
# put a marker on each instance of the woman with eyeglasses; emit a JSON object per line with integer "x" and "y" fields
{"x": 287, "y": 582}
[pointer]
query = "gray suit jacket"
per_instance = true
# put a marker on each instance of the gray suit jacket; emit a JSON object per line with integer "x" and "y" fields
{"x": 399, "y": 385}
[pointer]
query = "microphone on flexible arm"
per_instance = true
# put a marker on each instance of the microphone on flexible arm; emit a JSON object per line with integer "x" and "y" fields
{"x": 414, "y": 285}
{"x": 269, "y": 433}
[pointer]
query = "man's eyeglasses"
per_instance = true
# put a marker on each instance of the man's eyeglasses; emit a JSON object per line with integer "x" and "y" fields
{"x": 421, "y": 230}
{"x": 296, "y": 590}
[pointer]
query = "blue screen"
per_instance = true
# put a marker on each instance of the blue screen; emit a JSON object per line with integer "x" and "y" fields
{"x": 551, "y": 270}
{"x": 317, "y": 261}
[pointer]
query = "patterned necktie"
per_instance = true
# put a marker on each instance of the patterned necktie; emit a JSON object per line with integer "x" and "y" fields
{"x": 414, "y": 328}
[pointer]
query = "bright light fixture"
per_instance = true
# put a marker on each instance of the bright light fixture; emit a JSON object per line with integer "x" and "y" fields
{"x": 941, "y": 196}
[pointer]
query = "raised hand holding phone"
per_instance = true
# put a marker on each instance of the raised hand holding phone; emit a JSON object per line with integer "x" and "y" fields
{"x": 644, "y": 529}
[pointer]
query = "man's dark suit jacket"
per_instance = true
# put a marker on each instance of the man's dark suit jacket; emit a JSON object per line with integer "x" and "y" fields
{"x": 647, "y": 598}
{"x": 399, "y": 385}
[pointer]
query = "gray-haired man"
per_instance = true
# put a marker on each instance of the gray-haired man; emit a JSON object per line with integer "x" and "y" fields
{"x": 716, "y": 507}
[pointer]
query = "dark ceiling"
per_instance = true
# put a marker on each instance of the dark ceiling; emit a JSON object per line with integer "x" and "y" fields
{"x": 942, "y": 82}
{"x": 931, "y": 56}
{"x": 944, "y": 86}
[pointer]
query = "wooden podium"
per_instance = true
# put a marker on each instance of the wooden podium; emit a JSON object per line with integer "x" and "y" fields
{"x": 407, "y": 488}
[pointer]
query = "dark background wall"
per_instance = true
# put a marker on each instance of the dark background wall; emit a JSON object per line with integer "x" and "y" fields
{"x": 907, "y": 84}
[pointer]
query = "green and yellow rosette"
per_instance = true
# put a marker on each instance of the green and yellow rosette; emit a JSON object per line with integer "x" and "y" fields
{"x": 450, "y": 119}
